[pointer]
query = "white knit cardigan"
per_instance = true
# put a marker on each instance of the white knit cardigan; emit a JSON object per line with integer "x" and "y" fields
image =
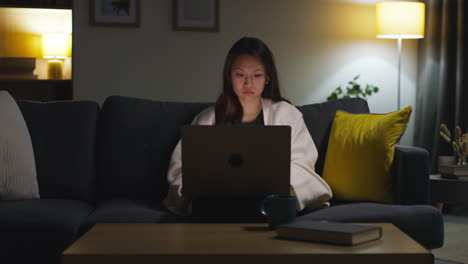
{"x": 310, "y": 189}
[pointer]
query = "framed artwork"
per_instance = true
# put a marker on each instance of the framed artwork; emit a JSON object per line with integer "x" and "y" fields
{"x": 199, "y": 15}
{"x": 114, "y": 13}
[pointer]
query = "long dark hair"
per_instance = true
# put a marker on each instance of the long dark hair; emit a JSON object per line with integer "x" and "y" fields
{"x": 228, "y": 108}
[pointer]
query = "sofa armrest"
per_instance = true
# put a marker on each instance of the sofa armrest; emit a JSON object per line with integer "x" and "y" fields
{"x": 411, "y": 172}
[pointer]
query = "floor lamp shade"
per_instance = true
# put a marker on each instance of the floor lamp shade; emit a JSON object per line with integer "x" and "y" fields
{"x": 403, "y": 20}
{"x": 400, "y": 20}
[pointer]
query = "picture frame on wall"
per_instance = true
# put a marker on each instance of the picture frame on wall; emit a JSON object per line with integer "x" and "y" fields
{"x": 114, "y": 13}
{"x": 200, "y": 15}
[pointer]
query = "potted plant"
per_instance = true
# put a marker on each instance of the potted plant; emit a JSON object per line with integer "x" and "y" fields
{"x": 353, "y": 89}
{"x": 459, "y": 143}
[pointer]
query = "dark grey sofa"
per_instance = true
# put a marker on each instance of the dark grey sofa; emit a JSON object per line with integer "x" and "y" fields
{"x": 109, "y": 165}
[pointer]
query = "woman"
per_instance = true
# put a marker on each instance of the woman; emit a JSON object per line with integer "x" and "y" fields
{"x": 251, "y": 95}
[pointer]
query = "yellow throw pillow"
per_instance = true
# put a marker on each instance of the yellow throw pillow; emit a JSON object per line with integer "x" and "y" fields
{"x": 360, "y": 153}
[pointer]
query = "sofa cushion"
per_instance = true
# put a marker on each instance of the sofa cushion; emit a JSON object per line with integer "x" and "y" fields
{"x": 18, "y": 178}
{"x": 136, "y": 140}
{"x": 360, "y": 155}
{"x": 422, "y": 222}
{"x": 129, "y": 211}
{"x": 63, "y": 136}
{"x": 319, "y": 119}
{"x": 37, "y": 231}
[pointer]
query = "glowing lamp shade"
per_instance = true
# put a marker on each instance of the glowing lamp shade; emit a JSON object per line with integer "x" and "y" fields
{"x": 400, "y": 20}
{"x": 55, "y": 46}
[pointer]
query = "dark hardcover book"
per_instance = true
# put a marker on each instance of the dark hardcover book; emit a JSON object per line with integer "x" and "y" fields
{"x": 17, "y": 76}
{"x": 457, "y": 170}
{"x": 329, "y": 232}
{"x": 17, "y": 65}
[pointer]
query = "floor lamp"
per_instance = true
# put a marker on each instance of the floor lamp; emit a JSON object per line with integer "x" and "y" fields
{"x": 400, "y": 20}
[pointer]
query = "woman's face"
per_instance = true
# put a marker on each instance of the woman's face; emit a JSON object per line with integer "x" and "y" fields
{"x": 248, "y": 78}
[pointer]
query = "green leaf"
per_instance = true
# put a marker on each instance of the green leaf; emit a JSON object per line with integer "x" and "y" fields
{"x": 353, "y": 89}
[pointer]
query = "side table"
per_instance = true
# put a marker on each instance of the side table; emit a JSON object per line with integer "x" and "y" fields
{"x": 449, "y": 191}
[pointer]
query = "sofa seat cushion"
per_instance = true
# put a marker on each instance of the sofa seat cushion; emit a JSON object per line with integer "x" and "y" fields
{"x": 37, "y": 231}
{"x": 128, "y": 211}
{"x": 421, "y": 222}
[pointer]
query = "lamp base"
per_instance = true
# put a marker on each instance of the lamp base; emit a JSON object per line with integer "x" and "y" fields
{"x": 54, "y": 69}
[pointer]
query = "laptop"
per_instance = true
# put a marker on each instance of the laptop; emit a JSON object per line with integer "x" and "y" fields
{"x": 235, "y": 161}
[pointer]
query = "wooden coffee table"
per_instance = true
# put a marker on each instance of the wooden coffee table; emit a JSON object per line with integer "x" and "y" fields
{"x": 231, "y": 243}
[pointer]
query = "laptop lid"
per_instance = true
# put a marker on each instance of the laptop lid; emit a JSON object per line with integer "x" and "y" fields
{"x": 235, "y": 161}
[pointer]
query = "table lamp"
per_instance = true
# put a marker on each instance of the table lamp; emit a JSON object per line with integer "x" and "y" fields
{"x": 55, "y": 48}
{"x": 400, "y": 20}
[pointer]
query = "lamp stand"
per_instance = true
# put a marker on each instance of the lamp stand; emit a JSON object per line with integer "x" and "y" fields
{"x": 399, "y": 72}
{"x": 54, "y": 69}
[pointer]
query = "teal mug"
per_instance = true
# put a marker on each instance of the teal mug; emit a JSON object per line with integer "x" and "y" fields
{"x": 279, "y": 209}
